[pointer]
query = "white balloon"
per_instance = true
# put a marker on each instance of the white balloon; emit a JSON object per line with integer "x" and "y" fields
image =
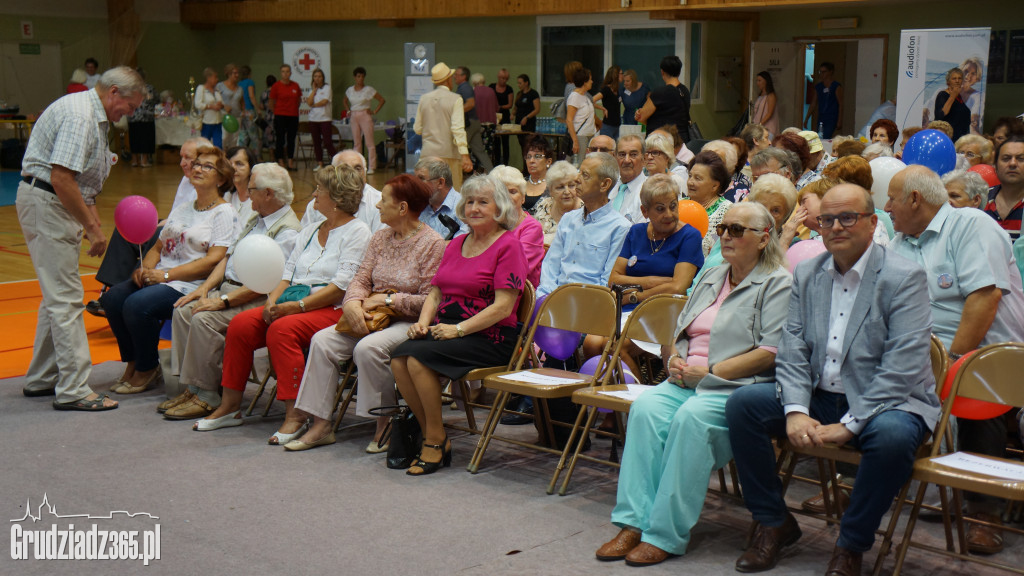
{"x": 259, "y": 263}
{"x": 883, "y": 169}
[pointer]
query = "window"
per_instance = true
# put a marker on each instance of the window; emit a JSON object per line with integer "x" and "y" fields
{"x": 567, "y": 43}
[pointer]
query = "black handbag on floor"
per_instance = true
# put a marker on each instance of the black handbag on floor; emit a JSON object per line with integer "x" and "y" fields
{"x": 403, "y": 432}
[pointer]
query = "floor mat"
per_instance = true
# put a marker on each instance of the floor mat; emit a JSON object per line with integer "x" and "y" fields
{"x": 19, "y": 307}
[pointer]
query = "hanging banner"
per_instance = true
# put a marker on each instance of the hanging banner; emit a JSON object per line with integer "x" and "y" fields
{"x": 304, "y": 58}
{"x": 926, "y": 56}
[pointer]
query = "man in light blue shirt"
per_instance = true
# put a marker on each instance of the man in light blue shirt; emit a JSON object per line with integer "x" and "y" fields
{"x": 588, "y": 239}
{"x": 976, "y": 300}
{"x": 440, "y": 211}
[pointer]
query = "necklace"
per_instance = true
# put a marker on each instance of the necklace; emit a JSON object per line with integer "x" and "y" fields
{"x": 410, "y": 234}
{"x": 204, "y": 209}
{"x": 655, "y": 249}
{"x": 535, "y": 182}
{"x": 732, "y": 281}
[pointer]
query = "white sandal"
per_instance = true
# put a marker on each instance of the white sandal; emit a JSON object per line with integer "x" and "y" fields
{"x": 280, "y": 438}
{"x": 226, "y": 421}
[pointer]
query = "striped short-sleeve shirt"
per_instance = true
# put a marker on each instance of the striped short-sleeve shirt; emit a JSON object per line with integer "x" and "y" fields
{"x": 1012, "y": 222}
{"x": 71, "y": 132}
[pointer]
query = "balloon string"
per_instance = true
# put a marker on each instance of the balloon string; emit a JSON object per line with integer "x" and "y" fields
{"x": 142, "y": 264}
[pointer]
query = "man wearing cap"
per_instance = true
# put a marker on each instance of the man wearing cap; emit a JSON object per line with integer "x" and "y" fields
{"x": 440, "y": 120}
{"x": 65, "y": 166}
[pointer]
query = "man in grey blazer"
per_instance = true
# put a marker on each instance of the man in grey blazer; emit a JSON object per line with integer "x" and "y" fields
{"x": 852, "y": 368}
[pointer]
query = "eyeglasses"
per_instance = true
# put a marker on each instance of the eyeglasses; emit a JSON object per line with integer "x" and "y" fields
{"x": 971, "y": 155}
{"x": 735, "y": 230}
{"x": 655, "y": 153}
{"x": 599, "y": 149}
{"x": 846, "y": 219}
{"x": 535, "y": 156}
{"x": 633, "y": 155}
{"x": 203, "y": 167}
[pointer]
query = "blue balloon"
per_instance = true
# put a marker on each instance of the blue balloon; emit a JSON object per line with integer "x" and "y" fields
{"x": 931, "y": 148}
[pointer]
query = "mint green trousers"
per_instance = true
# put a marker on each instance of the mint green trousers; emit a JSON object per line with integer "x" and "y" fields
{"x": 675, "y": 439}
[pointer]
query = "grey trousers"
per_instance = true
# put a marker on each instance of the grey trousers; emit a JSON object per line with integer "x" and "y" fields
{"x": 60, "y": 354}
{"x": 197, "y": 340}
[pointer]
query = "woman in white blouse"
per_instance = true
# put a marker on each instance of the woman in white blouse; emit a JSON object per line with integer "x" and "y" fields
{"x": 326, "y": 256}
{"x": 192, "y": 242}
{"x": 209, "y": 103}
{"x": 579, "y": 116}
{"x": 358, "y": 99}
{"x": 319, "y": 101}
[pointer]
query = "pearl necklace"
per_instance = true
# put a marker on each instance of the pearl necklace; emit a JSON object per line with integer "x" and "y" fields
{"x": 535, "y": 182}
{"x": 411, "y": 234}
{"x": 208, "y": 206}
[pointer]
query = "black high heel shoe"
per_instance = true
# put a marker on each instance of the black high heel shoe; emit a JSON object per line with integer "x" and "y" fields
{"x": 426, "y": 467}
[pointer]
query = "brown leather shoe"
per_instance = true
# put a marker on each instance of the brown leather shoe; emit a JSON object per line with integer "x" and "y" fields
{"x": 189, "y": 410}
{"x": 844, "y": 563}
{"x": 180, "y": 398}
{"x": 618, "y": 547}
{"x": 816, "y": 504}
{"x": 646, "y": 555}
{"x": 984, "y": 539}
{"x": 763, "y": 553}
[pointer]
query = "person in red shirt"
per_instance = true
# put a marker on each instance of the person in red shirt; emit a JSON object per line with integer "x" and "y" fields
{"x": 78, "y": 78}
{"x": 285, "y": 97}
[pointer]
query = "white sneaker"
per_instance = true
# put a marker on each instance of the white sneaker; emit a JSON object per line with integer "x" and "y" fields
{"x": 370, "y": 171}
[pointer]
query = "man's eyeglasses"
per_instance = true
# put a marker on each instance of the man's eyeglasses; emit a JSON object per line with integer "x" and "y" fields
{"x": 599, "y": 149}
{"x": 846, "y": 219}
{"x": 633, "y": 155}
{"x": 735, "y": 230}
{"x": 203, "y": 167}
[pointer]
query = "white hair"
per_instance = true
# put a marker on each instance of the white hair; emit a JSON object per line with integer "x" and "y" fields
{"x": 727, "y": 151}
{"x": 877, "y": 150}
{"x": 510, "y": 177}
{"x": 974, "y": 185}
{"x": 127, "y": 81}
{"x": 477, "y": 79}
{"x": 339, "y": 158}
{"x": 927, "y": 183}
{"x": 276, "y": 178}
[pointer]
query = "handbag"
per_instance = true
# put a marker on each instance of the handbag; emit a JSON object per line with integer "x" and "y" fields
{"x": 294, "y": 293}
{"x": 382, "y": 316}
{"x": 403, "y": 433}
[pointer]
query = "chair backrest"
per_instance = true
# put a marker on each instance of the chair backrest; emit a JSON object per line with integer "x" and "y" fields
{"x": 990, "y": 375}
{"x": 527, "y": 300}
{"x": 940, "y": 362}
{"x": 654, "y": 320}
{"x": 584, "y": 308}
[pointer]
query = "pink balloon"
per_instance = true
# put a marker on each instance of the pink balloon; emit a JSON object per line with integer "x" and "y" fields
{"x": 135, "y": 218}
{"x": 803, "y": 250}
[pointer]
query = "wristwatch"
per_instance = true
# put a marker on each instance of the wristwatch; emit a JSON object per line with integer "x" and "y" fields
{"x": 632, "y": 298}
{"x": 458, "y": 328}
{"x": 387, "y": 300}
{"x": 167, "y": 276}
{"x": 302, "y": 305}
{"x": 224, "y": 299}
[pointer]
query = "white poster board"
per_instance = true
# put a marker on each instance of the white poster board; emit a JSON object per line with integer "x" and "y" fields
{"x": 781, "y": 60}
{"x": 304, "y": 58}
{"x": 925, "y": 58}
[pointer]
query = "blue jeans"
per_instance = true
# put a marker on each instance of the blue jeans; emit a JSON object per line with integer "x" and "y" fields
{"x": 888, "y": 445}
{"x": 213, "y": 133}
{"x": 611, "y": 131}
{"x": 136, "y": 316}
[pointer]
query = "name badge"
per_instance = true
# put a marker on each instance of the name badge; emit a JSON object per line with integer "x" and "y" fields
{"x": 945, "y": 280}
{"x": 632, "y": 261}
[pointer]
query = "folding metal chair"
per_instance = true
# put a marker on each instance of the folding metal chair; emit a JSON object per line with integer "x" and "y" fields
{"x": 654, "y": 320}
{"x": 583, "y": 308}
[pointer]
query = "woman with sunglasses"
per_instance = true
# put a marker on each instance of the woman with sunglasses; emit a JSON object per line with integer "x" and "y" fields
{"x": 677, "y": 434}
{"x": 192, "y": 242}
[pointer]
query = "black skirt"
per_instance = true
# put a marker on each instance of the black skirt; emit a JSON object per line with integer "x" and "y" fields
{"x": 456, "y": 357}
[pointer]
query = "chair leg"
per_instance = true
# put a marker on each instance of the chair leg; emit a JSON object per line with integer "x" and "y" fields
{"x": 493, "y": 417}
{"x": 946, "y": 524}
{"x": 348, "y": 378}
{"x": 961, "y": 529}
{"x": 565, "y": 451}
{"x": 470, "y": 416}
{"x": 909, "y": 530}
{"x": 883, "y": 549}
{"x": 259, "y": 391}
{"x": 585, "y": 431}
{"x": 270, "y": 401}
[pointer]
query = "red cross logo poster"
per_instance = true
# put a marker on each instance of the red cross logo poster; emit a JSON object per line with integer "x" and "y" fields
{"x": 304, "y": 58}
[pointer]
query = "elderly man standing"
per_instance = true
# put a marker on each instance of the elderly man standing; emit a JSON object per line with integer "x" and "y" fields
{"x": 471, "y": 118}
{"x": 976, "y": 300}
{"x": 201, "y": 318}
{"x": 440, "y": 120}
{"x": 64, "y": 168}
{"x": 368, "y": 212}
{"x": 1006, "y": 201}
{"x": 625, "y": 195}
{"x": 852, "y": 368}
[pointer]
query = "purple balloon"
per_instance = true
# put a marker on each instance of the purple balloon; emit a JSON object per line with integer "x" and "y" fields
{"x": 931, "y": 148}
{"x": 590, "y": 365}
{"x": 136, "y": 219}
{"x": 803, "y": 250}
{"x": 556, "y": 343}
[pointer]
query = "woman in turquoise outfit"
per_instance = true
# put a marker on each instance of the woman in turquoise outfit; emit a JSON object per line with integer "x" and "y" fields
{"x": 677, "y": 434}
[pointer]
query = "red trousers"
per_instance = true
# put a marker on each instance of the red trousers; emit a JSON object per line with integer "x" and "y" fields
{"x": 284, "y": 338}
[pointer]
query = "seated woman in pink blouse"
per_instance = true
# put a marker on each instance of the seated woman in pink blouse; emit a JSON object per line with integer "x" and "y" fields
{"x": 469, "y": 318}
{"x": 529, "y": 231}
{"x": 326, "y": 256}
{"x": 396, "y": 271}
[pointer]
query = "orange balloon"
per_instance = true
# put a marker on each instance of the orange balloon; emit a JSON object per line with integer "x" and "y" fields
{"x": 969, "y": 408}
{"x": 695, "y": 215}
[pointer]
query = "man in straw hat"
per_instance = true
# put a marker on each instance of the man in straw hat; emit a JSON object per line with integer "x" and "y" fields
{"x": 439, "y": 119}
